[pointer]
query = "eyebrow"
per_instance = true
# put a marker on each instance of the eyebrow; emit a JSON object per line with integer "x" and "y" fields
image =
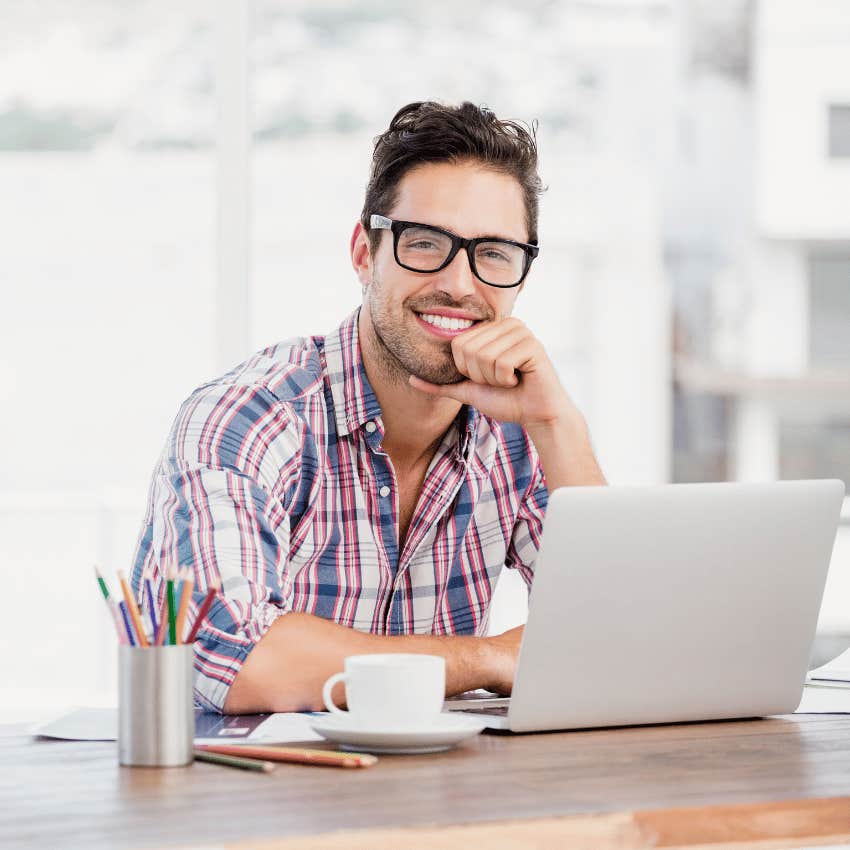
{"x": 485, "y": 235}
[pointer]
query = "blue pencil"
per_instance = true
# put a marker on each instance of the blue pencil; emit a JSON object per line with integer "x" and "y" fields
{"x": 122, "y": 605}
{"x": 151, "y": 605}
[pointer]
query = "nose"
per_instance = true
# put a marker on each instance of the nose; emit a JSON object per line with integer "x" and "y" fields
{"x": 457, "y": 278}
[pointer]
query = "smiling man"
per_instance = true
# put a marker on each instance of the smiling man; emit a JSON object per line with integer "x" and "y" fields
{"x": 361, "y": 492}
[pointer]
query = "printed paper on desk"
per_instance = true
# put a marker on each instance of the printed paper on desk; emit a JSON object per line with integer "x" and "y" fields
{"x": 101, "y": 724}
{"x": 837, "y": 670}
{"x": 84, "y": 724}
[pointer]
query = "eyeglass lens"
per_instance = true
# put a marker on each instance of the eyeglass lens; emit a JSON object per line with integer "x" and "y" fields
{"x": 424, "y": 249}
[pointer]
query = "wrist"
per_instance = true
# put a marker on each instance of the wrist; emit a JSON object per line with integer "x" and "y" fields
{"x": 570, "y": 425}
{"x": 486, "y": 661}
{"x": 566, "y": 452}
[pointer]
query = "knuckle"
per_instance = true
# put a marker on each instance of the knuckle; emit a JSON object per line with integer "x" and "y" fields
{"x": 504, "y": 371}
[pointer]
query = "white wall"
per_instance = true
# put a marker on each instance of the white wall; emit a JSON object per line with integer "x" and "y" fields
{"x": 802, "y": 65}
{"x": 602, "y": 220}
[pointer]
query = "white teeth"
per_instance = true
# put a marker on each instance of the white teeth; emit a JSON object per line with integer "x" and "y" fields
{"x": 445, "y": 322}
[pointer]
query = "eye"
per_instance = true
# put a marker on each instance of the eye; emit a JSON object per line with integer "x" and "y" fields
{"x": 492, "y": 254}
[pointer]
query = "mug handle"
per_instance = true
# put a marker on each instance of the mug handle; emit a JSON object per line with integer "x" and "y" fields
{"x": 326, "y": 694}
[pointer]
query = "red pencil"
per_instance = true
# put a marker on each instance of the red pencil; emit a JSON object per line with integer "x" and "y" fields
{"x": 203, "y": 611}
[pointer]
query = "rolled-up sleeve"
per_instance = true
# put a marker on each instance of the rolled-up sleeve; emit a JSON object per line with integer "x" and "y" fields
{"x": 528, "y": 528}
{"x": 218, "y": 503}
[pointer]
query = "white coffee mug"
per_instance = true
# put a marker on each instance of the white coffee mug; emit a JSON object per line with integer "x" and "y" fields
{"x": 392, "y": 690}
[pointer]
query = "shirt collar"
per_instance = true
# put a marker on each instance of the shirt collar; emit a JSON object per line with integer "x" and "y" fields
{"x": 467, "y": 425}
{"x": 355, "y": 402}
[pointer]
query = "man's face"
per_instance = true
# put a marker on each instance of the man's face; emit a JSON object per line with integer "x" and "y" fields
{"x": 466, "y": 200}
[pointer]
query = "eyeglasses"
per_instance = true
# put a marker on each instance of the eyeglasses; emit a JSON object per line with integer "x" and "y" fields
{"x": 427, "y": 249}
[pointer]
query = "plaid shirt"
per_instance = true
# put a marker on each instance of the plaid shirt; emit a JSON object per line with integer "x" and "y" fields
{"x": 273, "y": 480}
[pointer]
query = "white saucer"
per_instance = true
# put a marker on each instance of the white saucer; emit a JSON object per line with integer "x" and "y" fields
{"x": 447, "y": 731}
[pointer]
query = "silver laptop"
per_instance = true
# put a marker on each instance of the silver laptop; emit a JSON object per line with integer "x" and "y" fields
{"x": 669, "y": 603}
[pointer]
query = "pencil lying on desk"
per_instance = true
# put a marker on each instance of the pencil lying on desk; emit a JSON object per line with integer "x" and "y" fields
{"x": 328, "y": 758}
{"x": 235, "y": 761}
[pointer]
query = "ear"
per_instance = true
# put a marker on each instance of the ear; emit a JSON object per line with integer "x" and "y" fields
{"x": 361, "y": 254}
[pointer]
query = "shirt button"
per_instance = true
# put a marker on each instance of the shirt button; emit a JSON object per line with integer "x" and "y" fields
{"x": 384, "y": 491}
{"x": 371, "y": 426}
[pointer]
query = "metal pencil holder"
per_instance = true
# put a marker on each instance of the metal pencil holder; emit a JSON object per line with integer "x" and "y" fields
{"x": 156, "y": 718}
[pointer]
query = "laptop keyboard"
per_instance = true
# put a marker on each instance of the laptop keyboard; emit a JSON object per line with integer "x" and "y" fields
{"x": 493, "y": 711}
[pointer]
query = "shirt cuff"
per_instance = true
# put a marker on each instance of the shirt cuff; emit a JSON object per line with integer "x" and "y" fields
{"x": 219, "y": 656}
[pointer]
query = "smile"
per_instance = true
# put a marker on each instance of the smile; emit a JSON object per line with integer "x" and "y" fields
{"x": 444, "y": 326}
{"x": 447, "y": 322}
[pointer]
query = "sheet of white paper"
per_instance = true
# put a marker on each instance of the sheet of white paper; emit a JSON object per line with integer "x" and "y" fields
{"x": 824, "y": 701}
{"x": 827, "y": 683}
{"x": 283, "y": 728}
{"x": 837, "y": 670}
{"x": 84, "y": 724}
{"x": 101, "y": 724}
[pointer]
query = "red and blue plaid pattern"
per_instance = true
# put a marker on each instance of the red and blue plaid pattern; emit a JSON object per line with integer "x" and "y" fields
{"x": 271, "y": 482}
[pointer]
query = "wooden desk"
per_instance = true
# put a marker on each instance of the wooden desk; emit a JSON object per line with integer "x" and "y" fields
{"x": 56, "y": 794}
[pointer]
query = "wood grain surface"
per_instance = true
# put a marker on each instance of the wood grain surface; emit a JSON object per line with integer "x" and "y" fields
{"x": 760, "y": 826}
{"x": 73, "y": 794}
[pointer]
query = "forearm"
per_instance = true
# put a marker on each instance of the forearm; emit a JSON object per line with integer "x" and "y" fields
{"x": 566, "y": 454}
{"x": 287, "y": 668}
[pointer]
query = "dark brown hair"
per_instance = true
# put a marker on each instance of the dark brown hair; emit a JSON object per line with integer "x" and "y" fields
{"x": 425, "y": 132}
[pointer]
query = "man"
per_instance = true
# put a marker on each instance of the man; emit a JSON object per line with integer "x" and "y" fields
{"x": 361, "y": 492}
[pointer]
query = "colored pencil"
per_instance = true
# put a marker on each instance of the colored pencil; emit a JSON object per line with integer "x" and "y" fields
{"x": 151, "y": 607}
{"x": 110, "y": 604}
{"x": 119, "y": 626}
{"x": 327, "y": 758}
{"x": 133, "y": 608}
{"x": 128, "y": 625}
{"x": 159, "y": 637}
{"x": 235, "y": 761}
{"x": 169, "y": 595}
{"x": 185, "y": 597}
{"x": 203, "y": 611}
{"x": 103, "y": 588}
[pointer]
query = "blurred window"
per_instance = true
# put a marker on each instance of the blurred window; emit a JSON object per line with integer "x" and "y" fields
{"x": 107, "y": 262}
{"x": 829, "y": 313}
{"x": 815, "y": 449}
{"x": 839, "y": 131}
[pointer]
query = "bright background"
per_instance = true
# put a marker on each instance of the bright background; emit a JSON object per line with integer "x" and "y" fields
{"x": 178, "y": 184}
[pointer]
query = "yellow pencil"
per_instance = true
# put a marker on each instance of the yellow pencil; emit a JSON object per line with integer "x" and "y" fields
{"x": 185, "y": 596}
{"x": 133, "y": 609}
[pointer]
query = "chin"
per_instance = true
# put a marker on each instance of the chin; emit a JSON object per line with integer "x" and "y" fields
{"x": 439, "y": 375}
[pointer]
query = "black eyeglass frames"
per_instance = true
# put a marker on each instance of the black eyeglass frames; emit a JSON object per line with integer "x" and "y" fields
{"x": 427, "y": 249}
